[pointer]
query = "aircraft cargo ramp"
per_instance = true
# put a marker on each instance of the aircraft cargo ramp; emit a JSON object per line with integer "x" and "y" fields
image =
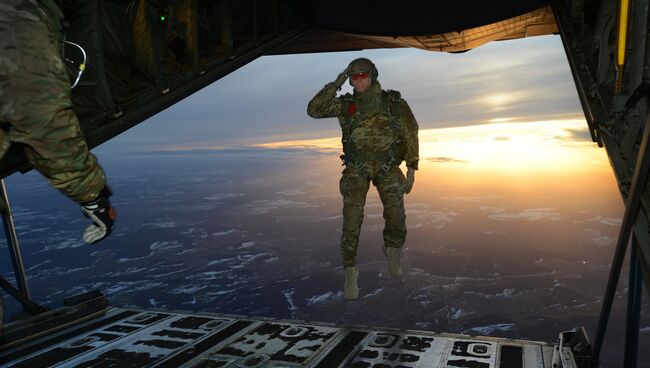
{"x": 122, "y": 337}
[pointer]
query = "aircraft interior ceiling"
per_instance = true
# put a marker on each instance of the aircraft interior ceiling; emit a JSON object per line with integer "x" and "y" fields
{"x": 411, "y": 18}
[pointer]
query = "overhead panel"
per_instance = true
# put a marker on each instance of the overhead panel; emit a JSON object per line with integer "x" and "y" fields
{"x": 537, "y": 22}
{"x": 534, "y": 23}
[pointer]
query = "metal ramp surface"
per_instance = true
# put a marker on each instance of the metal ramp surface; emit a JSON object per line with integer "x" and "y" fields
{"x": 139, "y": 338}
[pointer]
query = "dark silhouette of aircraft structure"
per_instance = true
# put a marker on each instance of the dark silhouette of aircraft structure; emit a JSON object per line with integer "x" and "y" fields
{"x": 146, "y": 55}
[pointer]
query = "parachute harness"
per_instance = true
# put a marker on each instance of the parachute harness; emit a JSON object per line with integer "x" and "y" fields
{"x": 351, "y": 154}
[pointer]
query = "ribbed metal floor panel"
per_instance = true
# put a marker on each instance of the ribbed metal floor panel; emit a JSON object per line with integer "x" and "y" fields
{"x": 139, "y": 338}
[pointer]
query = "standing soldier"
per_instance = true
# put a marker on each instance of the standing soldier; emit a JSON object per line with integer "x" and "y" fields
{"x": 36, "y": 110}
{"x": 379, "y": 132}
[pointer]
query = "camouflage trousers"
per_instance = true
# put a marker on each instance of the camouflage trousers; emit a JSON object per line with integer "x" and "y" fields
{"x": 354, "y": 185}
{"x": 35, "y": 107}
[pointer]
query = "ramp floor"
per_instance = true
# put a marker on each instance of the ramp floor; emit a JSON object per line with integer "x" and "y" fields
{"x": 140, "y": 338}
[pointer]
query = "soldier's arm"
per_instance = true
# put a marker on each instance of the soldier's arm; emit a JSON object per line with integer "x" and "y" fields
{"x": 325, "y": 104}
{"x": 410, "y": 129}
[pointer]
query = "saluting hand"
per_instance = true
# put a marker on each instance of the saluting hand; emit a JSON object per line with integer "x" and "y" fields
{"x": 410, "y": 180}
{"x": 341, "y": 78}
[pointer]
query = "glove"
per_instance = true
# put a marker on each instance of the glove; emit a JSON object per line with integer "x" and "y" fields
{"x": 338, "y": 82}
{"x": 410, "y": 179}
{"x": 102, "y": 215}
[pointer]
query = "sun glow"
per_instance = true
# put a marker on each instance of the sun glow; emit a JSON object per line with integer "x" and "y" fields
{"x": 523, "y": 148}
{"x": 496, "y": 102}
{"x": 498, "y": 99}
{"x": 558, "y": 146}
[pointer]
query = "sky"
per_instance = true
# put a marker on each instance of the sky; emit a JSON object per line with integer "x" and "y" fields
{"x": 265, "y": 101}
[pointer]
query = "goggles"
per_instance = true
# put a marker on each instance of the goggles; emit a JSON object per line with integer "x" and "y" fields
{"x": 357, "y": 76}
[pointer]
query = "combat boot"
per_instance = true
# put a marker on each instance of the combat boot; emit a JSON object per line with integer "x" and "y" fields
{"x": 394, "y": 255}
{"x": 350, "y": 288}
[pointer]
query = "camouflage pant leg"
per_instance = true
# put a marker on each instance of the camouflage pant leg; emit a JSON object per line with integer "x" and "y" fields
{"x": 354, "y": 188}
{"x": 35, "y": 106}
{"x": 391, "y": 191}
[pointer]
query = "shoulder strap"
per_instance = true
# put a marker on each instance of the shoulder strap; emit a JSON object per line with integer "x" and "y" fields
{"x": 346, "y": 124}
{"x": 394, "y": 109}
{"x": 394, "y": 99}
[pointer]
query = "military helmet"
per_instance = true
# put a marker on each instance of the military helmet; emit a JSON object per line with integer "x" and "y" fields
{"x": 361, "y": 65}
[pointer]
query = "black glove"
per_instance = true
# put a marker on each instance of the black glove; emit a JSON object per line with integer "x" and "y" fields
{"x": 338, "y": 82}
{"x": 102, "y": 214}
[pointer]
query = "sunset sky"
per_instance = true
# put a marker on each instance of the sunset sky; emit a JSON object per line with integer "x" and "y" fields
{"x": 504, "y": 110}
{"x": 509, "y": 82}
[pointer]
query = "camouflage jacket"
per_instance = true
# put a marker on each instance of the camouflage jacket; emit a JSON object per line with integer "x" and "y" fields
{"x": 370, "y": 119}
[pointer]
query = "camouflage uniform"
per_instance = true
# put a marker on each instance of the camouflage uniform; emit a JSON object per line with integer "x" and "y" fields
{"x": 35, "y": 106}
{"x": 372, "y": 134}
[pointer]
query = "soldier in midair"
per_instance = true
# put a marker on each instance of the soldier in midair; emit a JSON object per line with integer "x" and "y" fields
{"x": 379, "y": 131}
{"x": 36, "y": 110}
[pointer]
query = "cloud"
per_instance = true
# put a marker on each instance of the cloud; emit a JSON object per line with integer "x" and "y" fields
{"x": 445, "y": 159}
{"x": 161, "y": 224}
{"x": 223, "y": 233}
{"x": 63, "y": 244}
{"x": 221, "y": 196}
{"x": 601, "y": 240}
{"x": 492, "y": 209}
{"x": 262, "y": 207}
{"x": 470, "y": 199}
{"x": 494, "y": 232}
{"x": 611, "y": 221}
{"x": 291, "y": 192}
{"x": 579, "y": 134}
{"x": 530, "y": 214}
{"x": 158, "y": 246}
{"x": 421, "y": 216}
{"x": 324, "y": 298}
